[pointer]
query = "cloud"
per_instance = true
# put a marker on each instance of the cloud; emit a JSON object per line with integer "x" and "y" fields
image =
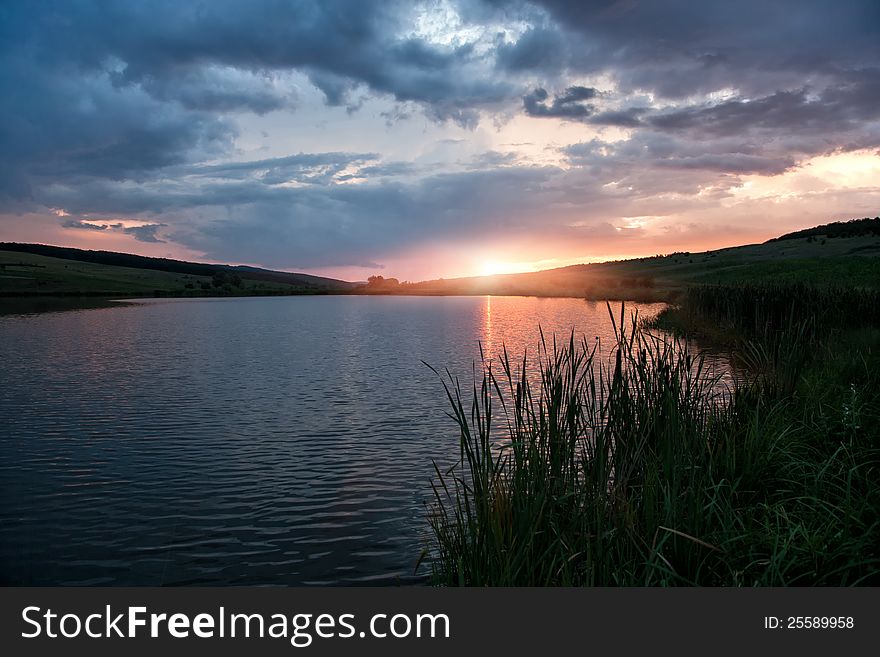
{"x": 835, "y": 109}
{"x": 84, "y": 225}
{"x": 540, "y": 49}
{"x": 219, "y": 89}
{"x": 623, "y": 118}
{"x": 224, "y": 55}
{"x": 645, "y": 160}
{"x": 142, "y": 233}
{"x": 316, "y": 134}
{"x": 145, "y": 233}
{"x": 678, "y": 48}
{"x": 62, "y": 127}
{"x": 567, "y": 105}
{"x": 311, "y": 168}
{"x": 120, "y": 91}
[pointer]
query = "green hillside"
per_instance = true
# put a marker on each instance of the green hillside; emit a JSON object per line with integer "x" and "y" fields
{"x": 851, "y": 228}
{"x": 844, "y": 261}
{"x": 94, "y": 273}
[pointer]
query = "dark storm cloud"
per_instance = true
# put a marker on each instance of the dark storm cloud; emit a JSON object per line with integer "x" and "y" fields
{"x": 567, "y": 105}
{"x": 625, "y": 118}
{"x": 199, "y": 53}
{"x": 538, "y": 50}
{"x": 119, "y": 90}
{"x": 84, "y": 225}
{"x": 645, "y": 156}
{"x": 678, "y": 47}
{"x": 55, "y": 125}
{"x": 217, "y": 89}
{"x": 809, "y": 65}
{"x": 834, "y": 109}
{"x": 144, "y": 233}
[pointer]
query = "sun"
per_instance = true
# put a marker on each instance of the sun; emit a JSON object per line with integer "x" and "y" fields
{"x": 493, "y": 267}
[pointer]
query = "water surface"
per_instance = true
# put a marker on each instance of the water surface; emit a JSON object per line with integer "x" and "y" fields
{"x": 281, "y": 440}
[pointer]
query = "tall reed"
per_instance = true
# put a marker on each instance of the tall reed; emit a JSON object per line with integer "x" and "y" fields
{"x": 634, "y": 466}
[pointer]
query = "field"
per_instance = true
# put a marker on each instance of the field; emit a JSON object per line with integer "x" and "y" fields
{"x": 844, "y": 261}
{"x": 853, "y": 261}
{"x": 25, "y": 274}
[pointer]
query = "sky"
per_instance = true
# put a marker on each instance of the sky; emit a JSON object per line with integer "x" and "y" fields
{"x": 434, "y": 139}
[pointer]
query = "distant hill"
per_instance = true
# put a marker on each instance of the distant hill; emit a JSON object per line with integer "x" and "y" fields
{"x": 40, "y": 269}
{"x": 852, "y": 228}
{"x": 177, "y": 266}
{"x": 850, "y": 258}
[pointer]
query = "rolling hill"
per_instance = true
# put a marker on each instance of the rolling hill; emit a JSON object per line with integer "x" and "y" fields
{"x": 841, "y": 253}
{"x": 42, "y": 270}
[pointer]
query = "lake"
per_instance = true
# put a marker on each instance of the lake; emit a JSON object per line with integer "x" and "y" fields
{"x": 274, "y": 440}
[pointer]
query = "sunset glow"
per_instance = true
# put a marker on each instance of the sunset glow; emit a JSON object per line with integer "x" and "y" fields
{"x": 470, "y": 139}
{"x": 492, "y": 267}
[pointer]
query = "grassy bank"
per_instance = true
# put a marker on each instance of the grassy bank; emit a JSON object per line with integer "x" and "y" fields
{"x": 642, "y": 470}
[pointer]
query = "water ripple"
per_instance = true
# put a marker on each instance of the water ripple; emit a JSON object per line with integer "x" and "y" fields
{"x": 241, "y": 441}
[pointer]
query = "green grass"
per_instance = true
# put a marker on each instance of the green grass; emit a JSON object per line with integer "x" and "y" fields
{"x": 576, "y": 470}
{"x": 842, "y": 261}
{"x": 850, "y": 262}
{"x": 27, "y": 274}
{"x": 839, "y": 271}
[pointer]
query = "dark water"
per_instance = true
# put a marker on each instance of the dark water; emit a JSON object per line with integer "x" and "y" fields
{"x": 239, "y": 441}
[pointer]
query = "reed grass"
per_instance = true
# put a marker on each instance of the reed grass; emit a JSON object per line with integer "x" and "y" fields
{"x": 635, "y": 466}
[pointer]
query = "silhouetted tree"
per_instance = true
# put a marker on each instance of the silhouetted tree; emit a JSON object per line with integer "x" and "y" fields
{"x": 382, "y": 283}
